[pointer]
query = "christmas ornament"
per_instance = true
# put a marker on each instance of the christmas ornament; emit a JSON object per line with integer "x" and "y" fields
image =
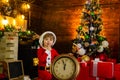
{"x": 92, "y": 13}
{"x": 35, "y": 61}
{"x": 82, "y": 37}
{"x": 105, "y": 43}
{"x": 91, "y": 28}
{"x": 85, "y": 28}
{"x": 94, "y": 42}
{"x": 80, "y": 27}
{"x": 86, "y": 36}
{"x": 100, "y": 38}
{"x": 85, "y": 58}
{"x": 79, "y": 46}
{"x": 74, "y": 48}
{"x": 102, "y": 57}
{"x": 100, "y": 49}
{"x": 28, "y": 32}
{"x": 81, "y": 51}
{"x": 86, "y": 44}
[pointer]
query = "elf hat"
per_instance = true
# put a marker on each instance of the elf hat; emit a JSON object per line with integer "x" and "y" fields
{"x": 42, "y": 36}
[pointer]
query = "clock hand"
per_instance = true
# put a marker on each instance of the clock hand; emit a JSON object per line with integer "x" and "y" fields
{"x": 64, "y": 64}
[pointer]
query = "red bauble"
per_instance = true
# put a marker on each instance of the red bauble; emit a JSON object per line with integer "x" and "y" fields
{"x": 103, "y": 57}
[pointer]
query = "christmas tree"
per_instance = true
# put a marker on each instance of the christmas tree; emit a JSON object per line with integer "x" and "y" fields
{"x": 89, "y": 40}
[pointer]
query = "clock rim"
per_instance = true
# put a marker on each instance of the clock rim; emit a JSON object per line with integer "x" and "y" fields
{"x": 77, "y": 66}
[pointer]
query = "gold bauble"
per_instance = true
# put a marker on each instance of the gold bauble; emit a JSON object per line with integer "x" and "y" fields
{"x": 35, "y": 61}
{"x": 74, "y": 48}
{"x": 85, "y": 58}
{"x": 86, "y": 44}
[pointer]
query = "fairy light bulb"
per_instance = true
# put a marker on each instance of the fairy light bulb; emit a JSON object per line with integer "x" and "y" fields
{"x": 28, "y": 6}
{"x": 14, "y": 22}
{"x": 5, "y": 1}
{"x": 4, "y": 21}
{"x": 23, "y": 17}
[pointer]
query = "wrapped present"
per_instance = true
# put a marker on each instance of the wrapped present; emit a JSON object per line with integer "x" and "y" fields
{"x": 83, "y": 64}
{"x": 117, "y": 67}
{"x": 117, "y": 72}
{"x": 102, "y": 69}
{"x": 96, "y": 78}
{"x": 84, "y": 71}
{"x": 111, "y": 60}
{"x": 117, "y": 75}
{"x": 79, "y": 59}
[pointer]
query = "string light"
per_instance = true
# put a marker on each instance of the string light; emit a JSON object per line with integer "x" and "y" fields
{"x": 4, "y": 1}
{"x": 14, "y": 22}
{"x": 25, "y": 6}
{"x": 28, "y": 6}
{"x": 23, "y": 17}
{"x": 4, "y": 21}
{"x": 7, "y": 0}
{"x": 20, "y": 10}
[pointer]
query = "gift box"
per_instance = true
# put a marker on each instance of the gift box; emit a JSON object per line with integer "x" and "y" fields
{"x": 102, "y": 69}
{"x": 117, "y": 75}
{"x": 117, "y": 72}
{"x": 111, "y": 60}
{"x": 96, "y": 78}
{"x": 84, "y": 71}
{"x": 117, "y": 67}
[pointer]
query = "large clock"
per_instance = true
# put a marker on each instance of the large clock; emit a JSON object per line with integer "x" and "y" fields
{"x": 65, "y": 67}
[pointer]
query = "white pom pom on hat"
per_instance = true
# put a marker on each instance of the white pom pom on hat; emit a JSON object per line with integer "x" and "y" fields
{"x": 43, "y": 34}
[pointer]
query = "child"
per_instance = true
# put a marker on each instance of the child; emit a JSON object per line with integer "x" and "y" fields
{"x": 46, "y": 54}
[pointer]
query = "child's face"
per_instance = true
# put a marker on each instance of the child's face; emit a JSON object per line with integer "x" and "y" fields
{"x": 48, "y": 42}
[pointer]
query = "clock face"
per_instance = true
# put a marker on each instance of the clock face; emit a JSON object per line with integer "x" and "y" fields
{"x": 65, "y": 67}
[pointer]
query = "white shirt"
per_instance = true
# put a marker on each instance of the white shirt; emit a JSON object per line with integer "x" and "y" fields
{"x": 48, "y": 59}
